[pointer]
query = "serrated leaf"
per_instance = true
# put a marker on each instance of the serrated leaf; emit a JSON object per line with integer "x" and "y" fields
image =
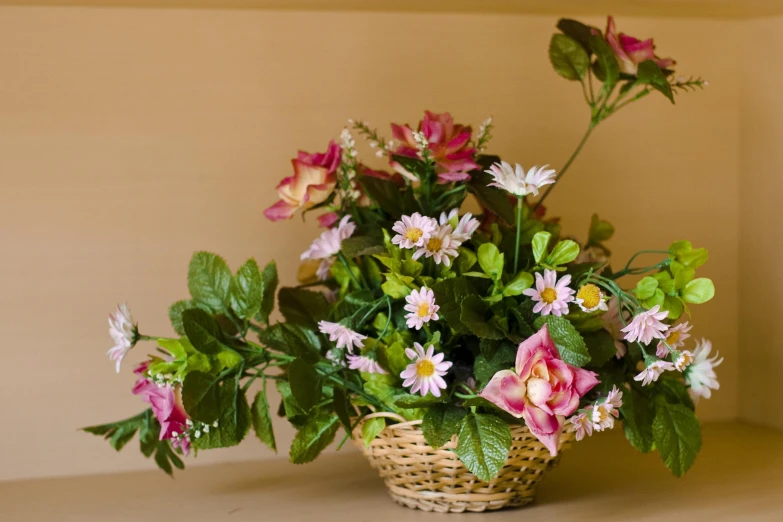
{"x": 302, "y": 307}
{"x": 209, "y": 281}
{"x": 200, "y": 397}
{"x": 608, "y": 69}
{"x": 638, "y": 415}
{"x": 648, "y": 73}
{"x": 246, "y": 292}
{"x": 568, "y": 341}
{"x": 440, "y": 423}
{"x": 269, "y": 287}
{"x": 262, "y": 421}
{"x": 576, "y": 30}
{"x": 371, "y": 428}
{"x": 500, "y": 356}
{"x": 600, "y": 345}
{"x": 568, "y": 57}
{"x": 483, "y": 444}
{"x": 449, "y": 294}
{"x": 305, "y": 384}
{"x": 677, "y": 436}
{"x": 175, "y": 314}
{"x": 313, "y": 437}
{"x": 342, "y": 408}
{"x": 234, "y": 419}
{"x": 203, "y": 331}
{"x": 473, "y": 315}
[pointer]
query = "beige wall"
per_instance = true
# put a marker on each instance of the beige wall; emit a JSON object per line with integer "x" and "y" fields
{"x": 131, "y": 138}
{"x": 761, "y": 219}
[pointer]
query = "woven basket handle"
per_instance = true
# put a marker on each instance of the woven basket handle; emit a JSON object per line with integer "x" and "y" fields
{"x": 386, "y": 414}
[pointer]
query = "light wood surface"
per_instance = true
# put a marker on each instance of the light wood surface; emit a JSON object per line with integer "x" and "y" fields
{"x": 738, "y": 476}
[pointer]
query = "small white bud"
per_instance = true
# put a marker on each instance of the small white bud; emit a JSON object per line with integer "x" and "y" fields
{"x": 206, "y": 428}
{"x": 197, "y": 434}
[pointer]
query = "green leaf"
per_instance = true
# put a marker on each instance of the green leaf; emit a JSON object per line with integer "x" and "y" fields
{"x": 440, "y": 423}
{"x": 540, "y": 243}
{"x": 568, "y": 57}
{"x": 657, "y": 298}
{"x": 396, "y": 286}
{"x": 175, "y": 314}
{"x": 489, "y": 362}
{"x": 291, "y": 409}
{"x": 466, "y": 260}
{"x": 202, "y": 331}
{"x": 564, "y": 252}
{"x": 608, "y": 69}
{"x": 449, "y": 294}
{"x": 305, "y": 384}
{"x": 600, "y": 231}
{"x": 209, "y": 281}
{"x": 677, "y": 436}
{"x": 568, "y": 341}
{"x": 491, "y": 260}
{"x": 234, "y": 420}
{"x": 601, "y": 347}
{"x": 519, "y": 284}
{"x": 342, "y": 408}
{"x": 576, "y": 30}
{"x": 648, "y": 73}
{"x": 371, "y": 428}
{"x": 201, "y": 397}
{"x": 491, "y": 198}
{"x": 646, "y": 287}
{"x": 262, "y": 421}
{"x": 392, "y": 357}
{"x": 269, "y": 287}
{"x": 313, "y": 437}
{"x": 638, "y": 413}
{"x": 121, "y": 432}
{"x": 474, "y": 311}
{"x": 698, "y": 291}
{"x": 246, "y": 291}
{"x": 302, "y": 307}
{"x": 389, "y": 196}
{"x": 406, "y": 400}
{"x": 483, "y": 444}
{"x": 673, "y": 305}
{"x": 362, "y": 246}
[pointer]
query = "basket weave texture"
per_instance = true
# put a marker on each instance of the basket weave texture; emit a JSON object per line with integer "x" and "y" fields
{"x": 420, "y": 477}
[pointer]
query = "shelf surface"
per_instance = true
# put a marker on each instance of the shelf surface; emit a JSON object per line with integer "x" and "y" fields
{"x": 667, "y": 8}
{"x": 737, "y": 476}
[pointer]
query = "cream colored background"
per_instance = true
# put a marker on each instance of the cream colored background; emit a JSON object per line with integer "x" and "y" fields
{"x": 130, "y": 138}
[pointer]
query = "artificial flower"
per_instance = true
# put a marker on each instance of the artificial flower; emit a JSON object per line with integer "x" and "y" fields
{"x": 652, "y": 371}
{"x": 441, "y": 246}
{"x": 604, "y": 414}
{"x": 328, "y": 245}
{"x": 630, "y": 51}
{"x": 700, "y": 376}
{"x": 342, "y": 336}
{"x": 582, "y": 423}
{"x": 336, "y": 355}
{"x": 425, "y": 373}
{"x": 646, "y": 326}
{"x": 421, "y": 308}
{"x": 613, "y": 324}
{"x": 542, "y": 388}
{"x": 313, "y": 181}
{"x": 675, "y": 338}
{"x": 590, "y": 298}
{"x": 682, "y": 360}
{"x": 413, "y": 231}
{"x": 551, "y": 296}
{"x": 123, "y": 332}
{"x": 514, "y": 180}
{"x": 166, "y": 407}
{"x": 463, "y": 227}
{"x": 364, "y": 364}
{"x": 328, "y": 219}
{"x": 448, "y": 144}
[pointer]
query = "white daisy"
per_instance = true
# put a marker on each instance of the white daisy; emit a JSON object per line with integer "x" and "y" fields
{"x": 517, "y": 182}
{"x": 425, "y": 373}
{"x": 364, "y": 364}
{"x": 551, "y": 296}
{"x": 413, "y": 231}
{"x": 123, "y": 332}
{"x": 344, "y": 337}
{"x": 682, "y": 360}
{"x": 590, "y": 298}
{"x": 700, "y": 375}
{"x": 421, "y": 308}
{"x": 604, "y": 414}
{"x": 463, "y": 227}
{"x": 652, "y": 371}
{"x": 581, "y": 424}
{"x": 646, "y": 326}
{"x": 440, "y": 246}
{"x": 675, "y": 338}
{"x": 328, "y": 245}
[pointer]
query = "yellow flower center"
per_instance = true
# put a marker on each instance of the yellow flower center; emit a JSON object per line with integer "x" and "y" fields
{"x": 590, "y": 295}
{"x": 685, "y": 360}
{"x": 425, "y": 368}
{"x": 673, "y": 337}
{"x": 549, "y": 295}
{"x": 424, "y": 310}
{"x": 414, "y": 234}
{"x": 434, "y": 244}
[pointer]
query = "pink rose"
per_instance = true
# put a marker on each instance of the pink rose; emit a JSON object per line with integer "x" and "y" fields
{"x": 630, "y": 51}
{"x": 542, "y": 388}
{"x": 449, "y": 144}
{"x": 313, "y": 181}
{"x": 165, "y": 406}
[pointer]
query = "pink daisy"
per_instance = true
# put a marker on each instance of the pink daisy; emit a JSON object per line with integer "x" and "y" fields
{"x": 551, "y": 296}
{"x": 414, "y": 230}
{"x": 675, "y": 338}
{"x": 425, "y": 373}
{"x": 581, "y": 424}
{"x": 652, "y": 371}
{"x": 421, "y": 307}
{"x": 344, "y": 337}
{"x": 364, "y": 364}
{"x": 604, "y": 414}
{"x": 441, "y": 246}
{"x": 646, "y": 326}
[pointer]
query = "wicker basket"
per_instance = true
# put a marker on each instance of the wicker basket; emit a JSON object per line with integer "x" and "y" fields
{"x": 420, "y": 477}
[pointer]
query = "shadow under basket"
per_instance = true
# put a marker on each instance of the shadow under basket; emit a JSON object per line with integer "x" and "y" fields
{"x": 420, "y": 477}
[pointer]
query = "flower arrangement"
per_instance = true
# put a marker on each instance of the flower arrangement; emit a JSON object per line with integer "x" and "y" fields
{"x": 469, "y": 322}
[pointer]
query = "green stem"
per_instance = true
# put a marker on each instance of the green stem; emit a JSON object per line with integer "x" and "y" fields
{"x": 519, "y": 234}
{"x": 345, "y": 263}
{"x": 590, "y": 128}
